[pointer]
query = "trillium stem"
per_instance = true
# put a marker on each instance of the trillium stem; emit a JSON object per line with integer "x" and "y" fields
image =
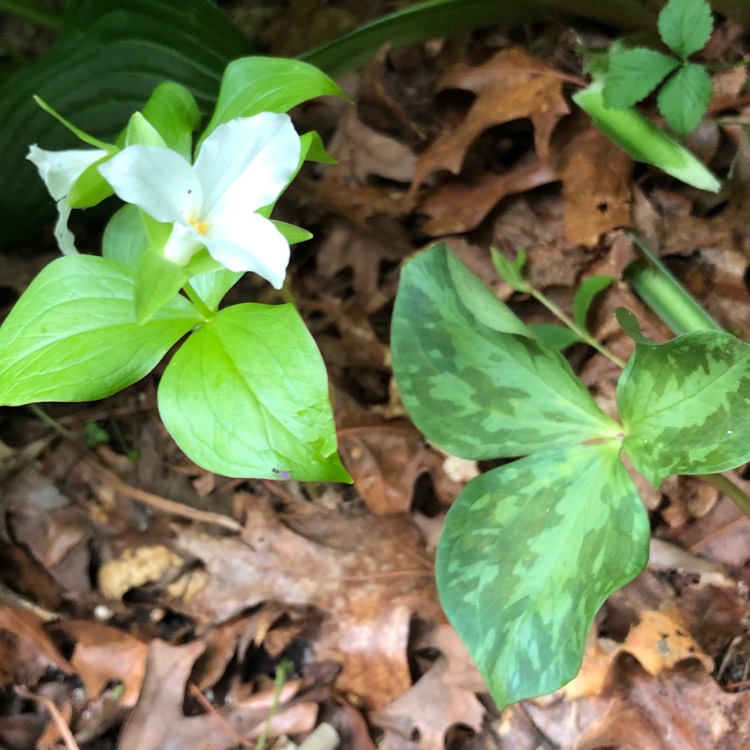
{"x": 570, "y": 323}
{"x": 731, "y": 490}
{"x": 200, "y": 305}
{"x": 34, "y": 12}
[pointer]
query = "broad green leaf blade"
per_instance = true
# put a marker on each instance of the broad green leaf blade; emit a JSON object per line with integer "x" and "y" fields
{"x": 477, "y": 392}
{"x": 73, "y": 335}
{"x": 247, "y": 396}
{"x": 157, "y": 282}
{"x": 643, "y": 141}
{"x": 586, "y": 294}
{"x": 125, "y": 237}
{"x": 555, "y": 336}
{"x": 266, "y": 84}
{"x": 684, "y": 98}
{"x": 528, "y": 554}
{"x": 685, "y": 25}
{"x": 103, "y": 67}
{"x": 633, "y": 74}
{"x": 173, "y": 111}
{"x": 511, "y": 271}
{"x": 685, "y": 406}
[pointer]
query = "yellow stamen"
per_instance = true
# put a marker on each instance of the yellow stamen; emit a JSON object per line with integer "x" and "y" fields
{"x": 200, "y": 226}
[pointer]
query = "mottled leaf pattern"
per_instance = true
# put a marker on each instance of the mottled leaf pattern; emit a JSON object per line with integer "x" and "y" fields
{"x": 528, "y": 554}
{"x": 685, "y": 405}
{"x": 472, "y": 389}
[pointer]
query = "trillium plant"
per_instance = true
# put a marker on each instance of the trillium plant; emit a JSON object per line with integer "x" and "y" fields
{"x": 246, "y": 393}
{"x": 530, "y": 550}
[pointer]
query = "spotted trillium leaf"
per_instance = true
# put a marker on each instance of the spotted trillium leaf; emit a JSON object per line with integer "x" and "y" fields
{"x": 247, "y": 393}
{"x": 514, "y": 394}
{"x": 73, "y": 335}
{"x": 529, "y": 553}
{"x": 685, "y": 406}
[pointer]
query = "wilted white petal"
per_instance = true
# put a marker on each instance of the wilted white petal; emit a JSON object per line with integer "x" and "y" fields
{"x": 60, "y": 169}
{"x": 65, "y": 238}
{"x": 249, "y": 243}
{"x": 156, "y": 179}
{"x": 246, "y": 163}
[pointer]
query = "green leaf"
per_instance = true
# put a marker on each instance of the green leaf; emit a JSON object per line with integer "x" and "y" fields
{"x": 125, "y": 238}
{"x": 313, "y": 149}
{"x": 528, "y": 554}
{"x": 555, "y": 336}
{"x": 266, "y": 84}
{"x": 247, "y": 396}
{"x": 586, "y": 294}
{"x": 157, "y": 282}
{"x": 643, "y": 141}
{"x": 685, "y": 25}
{"x": 140, "y": 132}
{"x": 684, "y": 98}
{"x": 684, "y": 405}
{"x": 511, "y": 271}
{"x": 292, "y": 233}
{"x": 103, "y": 67}
{"x": 72, "y": 336}
{"x": 173, "y": 111}
{"x": 90, "y": 188}
{"x": 212, "y": 286}
{"x": 633, "y": 74}
{"x": 509, "y": 394}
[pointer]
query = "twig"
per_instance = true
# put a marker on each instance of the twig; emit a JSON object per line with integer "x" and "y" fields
{"x": 209, "y": 709}
{"x": 54, "y": 712}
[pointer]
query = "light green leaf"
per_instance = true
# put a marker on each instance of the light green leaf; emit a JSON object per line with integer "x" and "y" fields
{"x": 125, "y": 237}
{"x": 586, "y": 294}
{"x": 313, "y": 149}
{"x": 643, "y": 141}
{"x": 555, "y": 336}
{"x": 73, "y": 335}
{"x": 292, "y": 233}
{"x": 633, "y": 74}
{"x": 247, "y": 396}
{"x": 528, "y": 554}
{"x": 509, "y": 393}
{"x": 157, "y": 282}
{"x": 685, "y": 25}
{"x": 685, "y": 406}
{"x": 173, "y": 111}
{"x": 140, "y": 132}
{"x": 684, "y": 98}
{"x": 511, "y": 271}
{"x": 212, "y": 286}
{"x": 265, "y": 84}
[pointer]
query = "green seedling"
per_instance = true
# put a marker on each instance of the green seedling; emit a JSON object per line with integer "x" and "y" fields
{"x": 532, "y": 549}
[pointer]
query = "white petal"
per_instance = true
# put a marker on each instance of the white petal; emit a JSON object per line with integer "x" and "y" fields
{"x": 183, "y": 243}
{"x": 251, "y": 243}
{"x": 60, "y": 169}
{"x": 246, "y": 163}
{"x": 63, "y": 235}
{"x": 156, "y": 179}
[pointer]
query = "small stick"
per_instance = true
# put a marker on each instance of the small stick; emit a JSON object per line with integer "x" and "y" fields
{"x": 57, "y": 717}
{"x": 231, "y": 731}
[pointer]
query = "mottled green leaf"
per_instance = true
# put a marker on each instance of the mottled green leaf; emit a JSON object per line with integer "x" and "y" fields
{"x": 585, "y": 295}
{"x": 684, "y": 98}
{"x": 528, "y": 554}
{"x": 685, "y": 405}
{"x": 73, "y": 335}
{"x": 633, "y": 74}
{"x": 685, "y": 25}
{"x": 473, "y": 390}
{"x": 247, "y": 396}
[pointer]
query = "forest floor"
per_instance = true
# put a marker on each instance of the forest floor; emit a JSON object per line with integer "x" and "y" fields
{"x": 146, "y": 603}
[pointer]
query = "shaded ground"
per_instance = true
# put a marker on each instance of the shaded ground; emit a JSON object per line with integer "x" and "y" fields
{"x": 140, "y": 623}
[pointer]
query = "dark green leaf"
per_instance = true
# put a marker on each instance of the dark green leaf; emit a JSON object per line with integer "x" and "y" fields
{"x": 633, "y": 74}
{"x": 477, "y": 392}
{"x": 247, "y": 396}
{"x": 73, "y": 335}
{"x": 684, "y": 98}
{"x": 528, "y": 554}
{"x": 586, "y": 294}
{"x": 685, "y": 25}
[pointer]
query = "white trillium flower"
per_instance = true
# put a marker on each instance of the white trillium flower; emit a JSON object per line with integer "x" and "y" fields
{"x": 242, "y": 166}
{"x": 60, "y": 170}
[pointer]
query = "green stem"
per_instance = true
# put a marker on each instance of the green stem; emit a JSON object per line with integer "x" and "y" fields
{"x": 42, "y": 416}
{"x": 281, "y": 674}
{"x": 731, "y": 490}
{"x": 198, "y": 302}
{"x": 570, "y": 323}
{"x": 34, "y": 12}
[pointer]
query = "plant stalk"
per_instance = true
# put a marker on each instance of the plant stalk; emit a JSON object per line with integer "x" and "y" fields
{"x": 198, "y": 302}
{"x": 33, "y": 11}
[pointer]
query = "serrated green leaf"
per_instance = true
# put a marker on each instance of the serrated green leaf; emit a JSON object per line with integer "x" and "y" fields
{"x": 685, "y": 25}
{"x": 72, "y": 336}
{"x": 528, "y": 554}
{"x": 643, "y": 141}
{"x": 510, "y": 394}
{"x": 173, "y": 111}
{"x": 125, "y": 237}
{"x": 247, "y": 394}
{"x": 266, "y": 84}
{"x": 511, "y": 271}
{"x": 633, "y": 74}
{"x": 555, "y": 336}
{"x": 684, "y": 98}
{"x": 157, "y": 282}
{"x": 586, "y": 294}
{"x": 685, "y": 406}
